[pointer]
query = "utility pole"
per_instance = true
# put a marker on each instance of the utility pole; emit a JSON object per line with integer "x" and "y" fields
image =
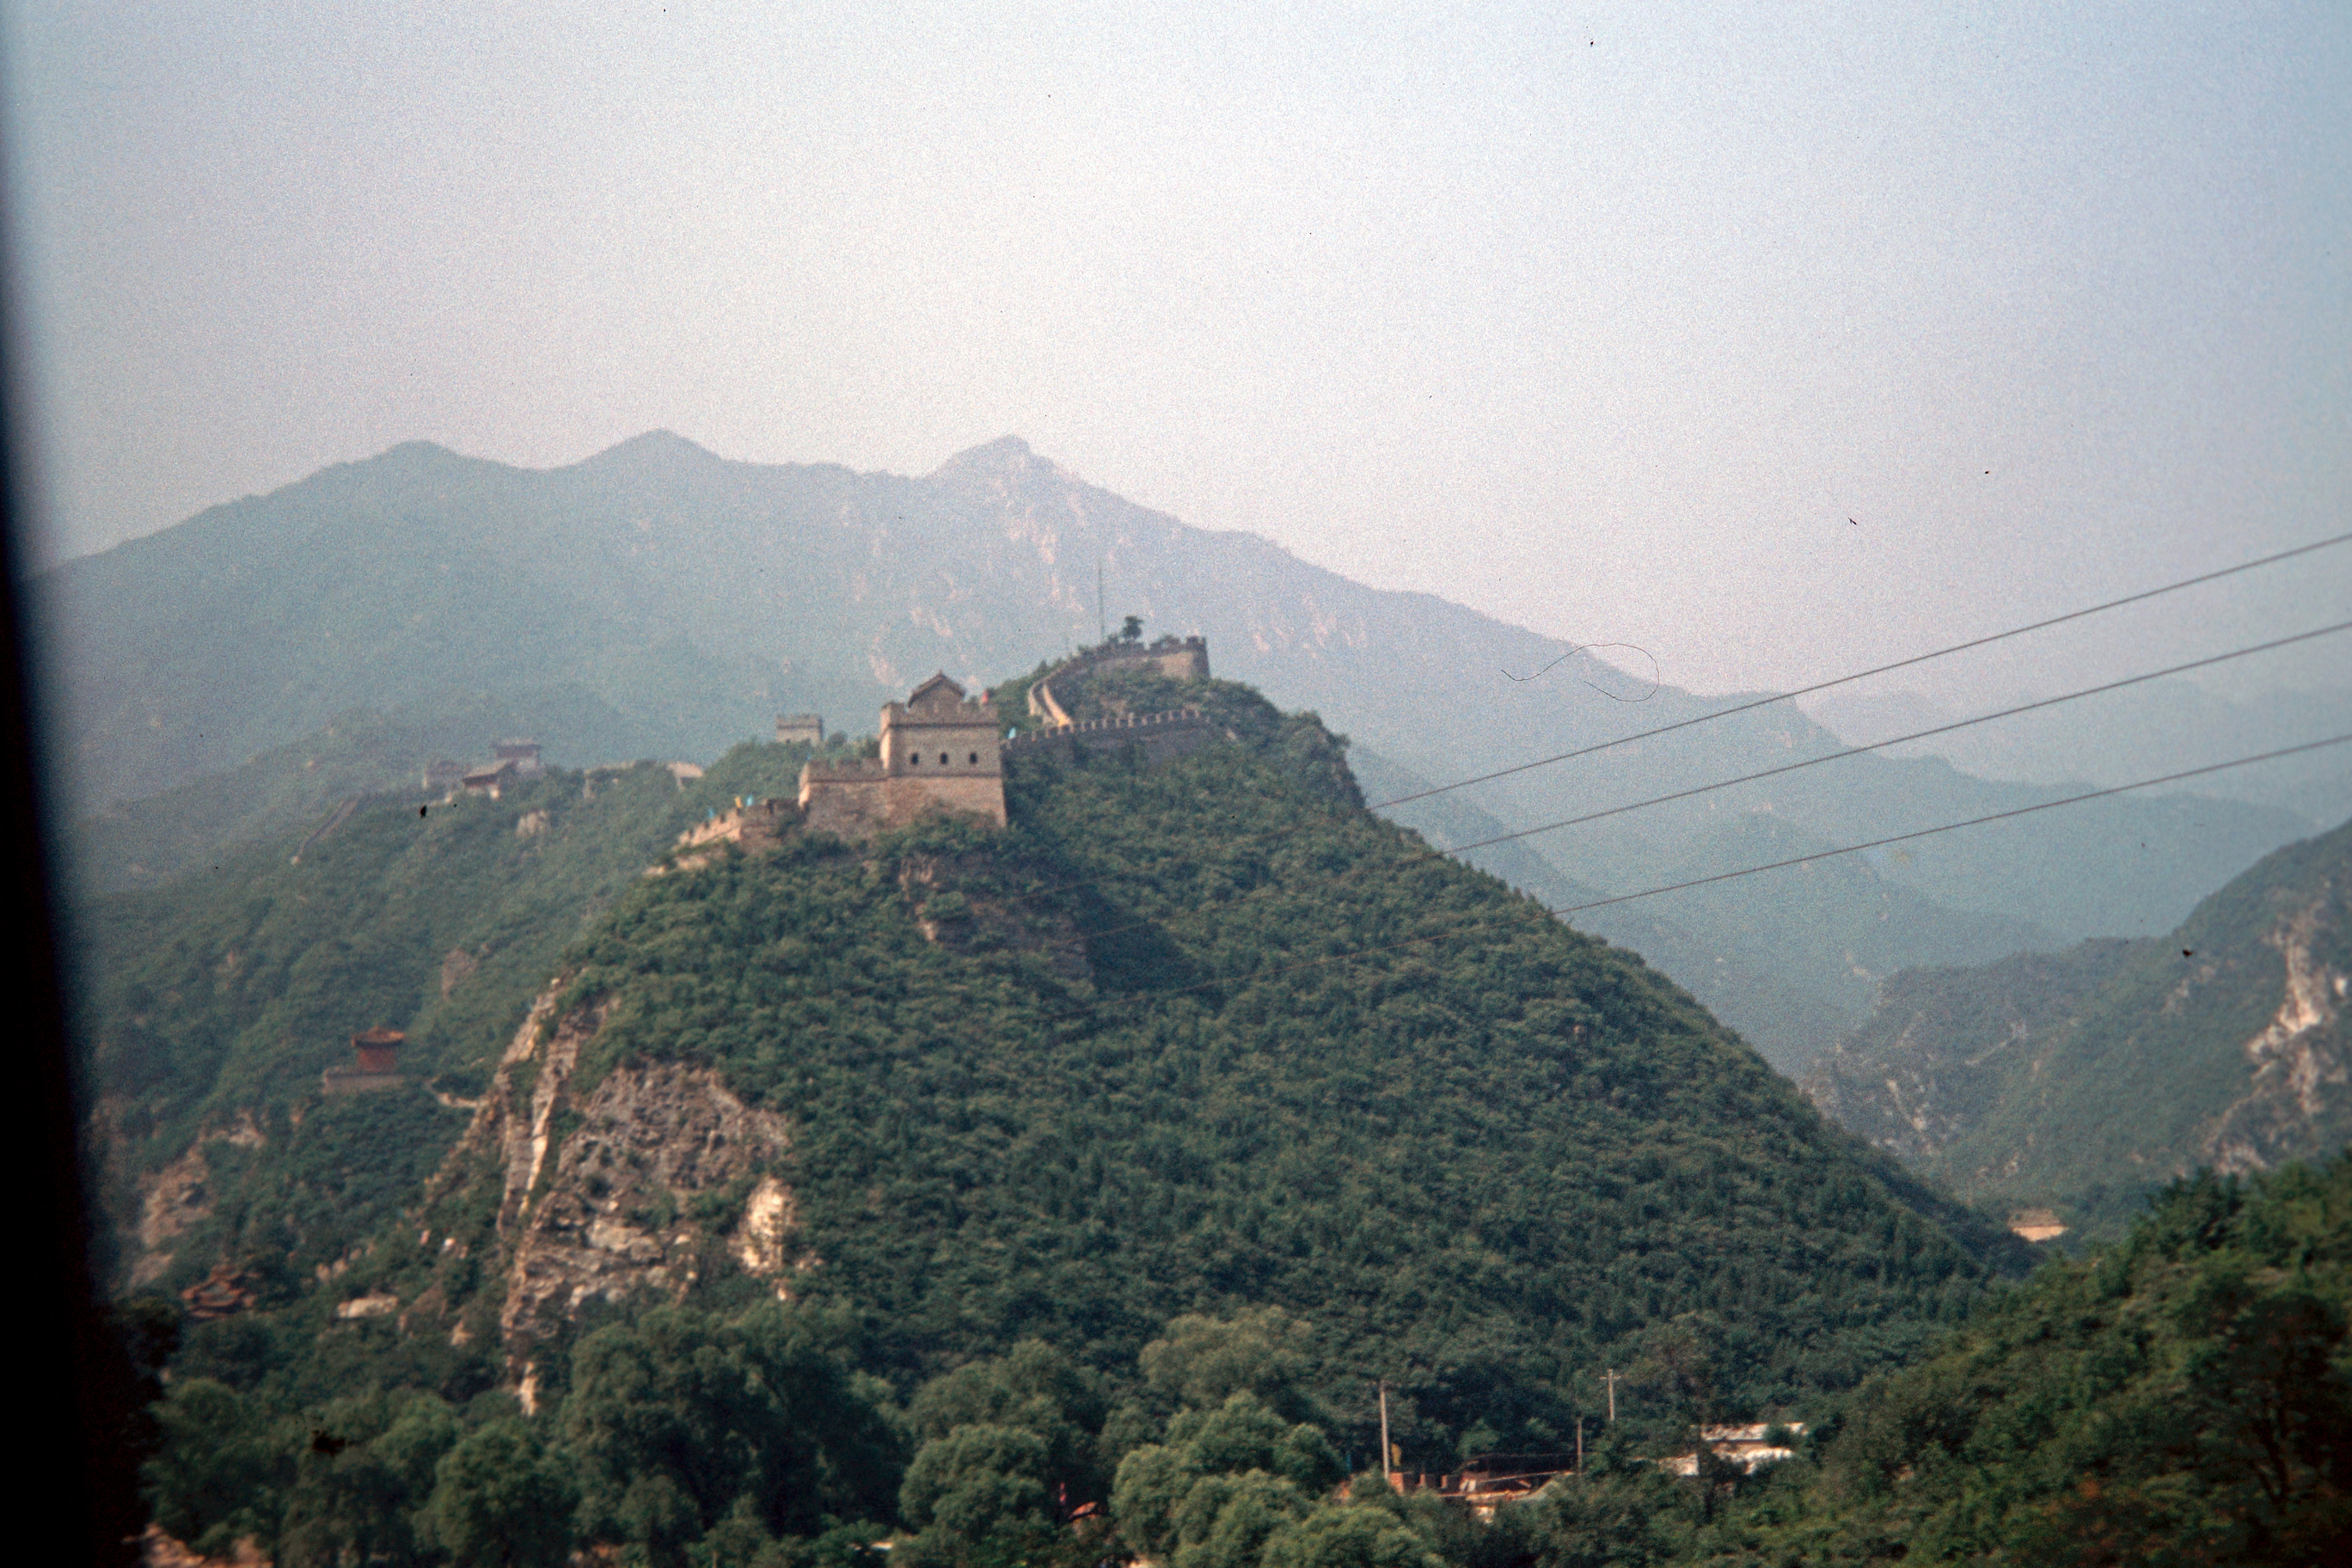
{"x": 1580, "y": 1445}
{"x": 1612, "y": 1381}
{"x": 1387, "y": 1463}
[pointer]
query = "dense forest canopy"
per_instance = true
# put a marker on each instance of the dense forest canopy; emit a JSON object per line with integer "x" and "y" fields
{"x": 1126, "y": 1150}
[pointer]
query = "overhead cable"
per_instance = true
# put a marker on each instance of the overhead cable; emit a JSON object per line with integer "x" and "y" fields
{"x": 1749, "y": 707}
{"x": 1455, "y": 849}
{"x": 1547, "y": 912}
{"x": 2140, "y": 597}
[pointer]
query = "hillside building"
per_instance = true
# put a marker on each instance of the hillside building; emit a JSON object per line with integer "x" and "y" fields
{"x": 804, "y": 729}
{"x": 941, "y": 751}
{"x": 1750, "y": 1448}
{"x": 1489, "y": 1480}
{"x": 377, "y": 1066}
{"x": 492, "y": 780}
{"x": 523, "y": 752}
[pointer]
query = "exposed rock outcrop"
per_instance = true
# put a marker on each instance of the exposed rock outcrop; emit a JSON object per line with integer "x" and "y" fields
{"x": 2076, "y": 1080}
{"x": 659, "y": 1174}
{"x": 177, "y": 1197}
{"x": 2301, "y": 1060}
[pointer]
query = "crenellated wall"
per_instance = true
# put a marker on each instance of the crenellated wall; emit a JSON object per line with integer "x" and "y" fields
{"x": 1179, "y": 659}
{"x": 940, "y": 753}
{"x": 1160, "y": 737}
{"x": 857, "y": 803}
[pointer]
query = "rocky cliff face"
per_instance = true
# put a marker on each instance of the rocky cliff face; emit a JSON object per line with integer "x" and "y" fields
{"x": 2300, "y": 1064}
{"x": 633, "y": 1186}
{"x": 2045, "y": 1078}
{"x": 177, "y": 1197}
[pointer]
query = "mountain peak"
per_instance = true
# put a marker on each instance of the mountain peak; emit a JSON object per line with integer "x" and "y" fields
{"x": 414, "y": 451}
{"x": 1006, "y": 453}
{"x": 665, "y": 448}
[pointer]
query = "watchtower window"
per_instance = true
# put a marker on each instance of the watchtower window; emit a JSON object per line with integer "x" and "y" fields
{"x": 943, "y": 759}
{"x": 914, "y": 759}
{"x": 973, "y": 759}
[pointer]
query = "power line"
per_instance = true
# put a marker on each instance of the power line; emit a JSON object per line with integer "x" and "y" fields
{"x": 1880, "y": 670}
{"x": 1750, "y": 707}
{"x": 1901, "y": 740}
{"x": 1551, "y": 912}
{"x": 1458, "y": 850}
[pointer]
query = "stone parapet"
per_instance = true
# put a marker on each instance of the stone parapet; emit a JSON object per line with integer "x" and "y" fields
{"x": 753, "y": 823}
{"x": 357, "y": 1080}
{"x": 1179, "y": 659}
{"x": 1160, "y": 737}
{"x": 838, "y": 771}
{"x": 858, "y": 805}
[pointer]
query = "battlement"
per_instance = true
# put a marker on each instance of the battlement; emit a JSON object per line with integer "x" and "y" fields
{"x": 753, "y": 823}
{"x": 1160, "y": 737}
{"x": 848, "y": 770}
{"x": 1179, "y": 659}
{"x": 940, "y": 753}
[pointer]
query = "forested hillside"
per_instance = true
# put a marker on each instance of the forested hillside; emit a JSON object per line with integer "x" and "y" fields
{"x": 209, "y": 1007}
{"x": 361, "y": 754}
{"x": 656, "y": 600}
{"x": 2080, "y": 1080}
{"x": 2184, "y": 1397}
{"x": 1193, "y": 1044}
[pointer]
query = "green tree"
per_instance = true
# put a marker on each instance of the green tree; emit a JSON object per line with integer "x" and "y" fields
{"x": 977, "y": 1485}
{"x": 1200, "y": 1362}
{"x": 1345, "y": 1535}
{"x": 223, "y": 1469}
{"x": 501, "y": 1500}
{"x": 677, "y": 1416}
{"x": 1225, "y": 1520}
{"x": 1036, "y": 1388}
{"x": 1222, "y": 1483}
{"x": 367, "y": 1467}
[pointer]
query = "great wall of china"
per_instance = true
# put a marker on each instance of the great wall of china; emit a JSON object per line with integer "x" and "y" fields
{"x": 943, "y": 752}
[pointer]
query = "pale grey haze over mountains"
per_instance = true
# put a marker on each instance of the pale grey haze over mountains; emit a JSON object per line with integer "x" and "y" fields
{"x": 657, "y": 599}
{"x": 2125, "y": 735}
{"x": 1602, "y": 319}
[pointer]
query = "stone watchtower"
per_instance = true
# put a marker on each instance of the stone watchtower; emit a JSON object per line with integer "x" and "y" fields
{"x": 941, "y": 751}
{"x": 939, "y": 732}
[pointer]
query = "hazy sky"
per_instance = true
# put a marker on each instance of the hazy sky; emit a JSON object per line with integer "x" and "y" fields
{"x": 1601, "y": 318}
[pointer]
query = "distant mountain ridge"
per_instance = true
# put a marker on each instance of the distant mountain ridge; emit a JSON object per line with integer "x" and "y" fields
{"x": 679, "y": 600}
{"x": 2123, "y": 735}
{"x": 2082, "y": 1078}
